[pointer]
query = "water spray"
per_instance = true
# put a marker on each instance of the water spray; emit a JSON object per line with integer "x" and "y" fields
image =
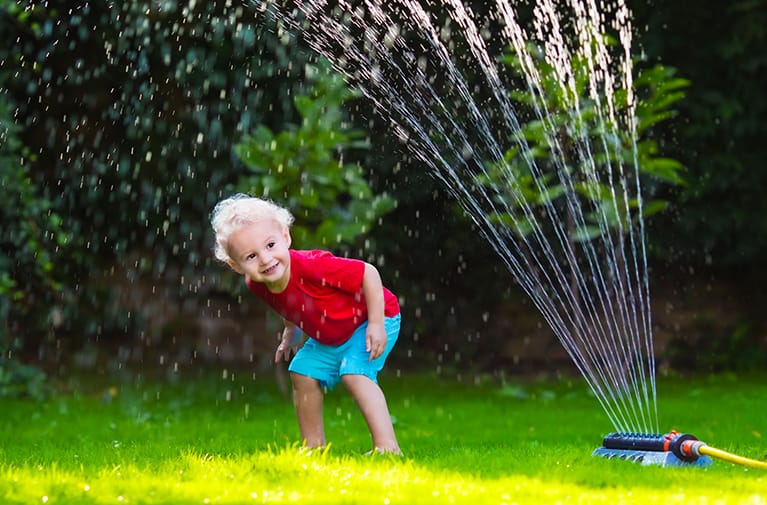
{"x": 670, "y": 449}
{"x": 596, "y": 298}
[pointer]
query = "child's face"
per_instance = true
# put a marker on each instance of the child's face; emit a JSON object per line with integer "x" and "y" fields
{"x": 260, "y": 251}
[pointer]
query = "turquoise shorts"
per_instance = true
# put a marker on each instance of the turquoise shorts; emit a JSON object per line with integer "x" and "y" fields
{"x": 327, "y": 363}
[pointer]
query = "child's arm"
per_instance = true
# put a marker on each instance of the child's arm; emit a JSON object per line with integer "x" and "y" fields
{"x": 372, "y": 289}
{"x": 289, "y": 343}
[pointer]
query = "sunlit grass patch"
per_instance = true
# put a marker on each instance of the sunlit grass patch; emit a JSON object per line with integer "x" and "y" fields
{"x": 191, "y": 442}
{"x": 291, "y": 476}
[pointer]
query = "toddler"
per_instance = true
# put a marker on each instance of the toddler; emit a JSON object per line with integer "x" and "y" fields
{"x": 351, "y": 320}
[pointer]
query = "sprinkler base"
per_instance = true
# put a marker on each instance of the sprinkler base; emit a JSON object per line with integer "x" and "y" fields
{"x": 660, "y": 458}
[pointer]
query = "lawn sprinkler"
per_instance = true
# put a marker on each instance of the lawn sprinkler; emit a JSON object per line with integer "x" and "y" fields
{"x": 670, "y": 449}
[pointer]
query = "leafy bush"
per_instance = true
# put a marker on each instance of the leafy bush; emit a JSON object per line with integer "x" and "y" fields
{"x": 29, "y": 238}
{"x": 567, "y": 139}
{"x": 303, "y": 167}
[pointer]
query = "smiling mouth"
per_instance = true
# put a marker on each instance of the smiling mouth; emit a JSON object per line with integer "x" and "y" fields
{"x": 270, "y": 270}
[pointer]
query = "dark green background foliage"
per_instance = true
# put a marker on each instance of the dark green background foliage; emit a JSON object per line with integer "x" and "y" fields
{"x": 119, "y": 127}
{"x": 719, "y": 136}
{"x": 29, "y": 238}
{"x": 140, "y": 121}
{"x": 132, "y": 127}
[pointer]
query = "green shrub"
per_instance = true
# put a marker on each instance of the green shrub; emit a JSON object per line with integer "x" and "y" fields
{"x": 29, "y": 238}
{"x": 303, "y": 167}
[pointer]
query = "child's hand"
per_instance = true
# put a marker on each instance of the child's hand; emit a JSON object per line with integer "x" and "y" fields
{"x": 375, "y": 340}
{"x": 288, "y": 345}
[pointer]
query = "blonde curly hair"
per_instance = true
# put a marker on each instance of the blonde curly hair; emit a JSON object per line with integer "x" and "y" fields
{"x": 231, "y": 214}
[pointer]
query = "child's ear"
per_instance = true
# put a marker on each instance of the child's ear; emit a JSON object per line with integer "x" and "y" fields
{"x": 288, "y": 239}
{"x": 234, "y": 266}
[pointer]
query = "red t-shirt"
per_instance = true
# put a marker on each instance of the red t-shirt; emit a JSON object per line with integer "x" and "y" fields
{"x": 324, "y": 296}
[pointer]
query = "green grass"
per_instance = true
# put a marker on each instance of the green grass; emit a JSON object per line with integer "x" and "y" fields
{"x": 232, "y": 439}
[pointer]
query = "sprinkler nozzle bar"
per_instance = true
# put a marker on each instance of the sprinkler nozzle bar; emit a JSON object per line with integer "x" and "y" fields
{"x": 670, "y": 449}
{"x": 684, "y": 446}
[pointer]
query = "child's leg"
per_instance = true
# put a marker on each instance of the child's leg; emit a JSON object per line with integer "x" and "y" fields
{"x": 372, "y": 403}
{"x": 307, "y": 398}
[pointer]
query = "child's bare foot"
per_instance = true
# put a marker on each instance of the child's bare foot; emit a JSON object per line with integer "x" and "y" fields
{"x": 389, "y": 452}
{"x": 310, "y": 451}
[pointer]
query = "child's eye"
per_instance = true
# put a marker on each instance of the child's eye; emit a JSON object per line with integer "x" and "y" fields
{"x": 251, "y": 256}
{"x": 270, "y": 245}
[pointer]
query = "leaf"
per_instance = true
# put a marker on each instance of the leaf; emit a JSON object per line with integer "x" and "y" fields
{"x": 654, "y": 207}
{"x": 594, "y": 191}
{"x": 665, "y": 169}
{"x": 586, "y": 233}
{"x": 550, "y": 193}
